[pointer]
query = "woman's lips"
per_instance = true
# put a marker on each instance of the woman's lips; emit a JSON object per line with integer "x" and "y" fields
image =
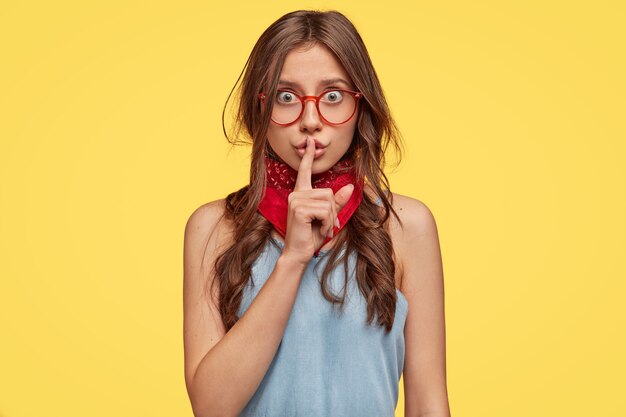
{"x": 318, "y": 152}
{"x": 318, "y": 144}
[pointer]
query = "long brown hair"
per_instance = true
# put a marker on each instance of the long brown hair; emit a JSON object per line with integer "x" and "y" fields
{"x": 365, "y": 233}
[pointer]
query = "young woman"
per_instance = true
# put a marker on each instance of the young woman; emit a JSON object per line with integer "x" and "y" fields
{"x": 303, "y": 295}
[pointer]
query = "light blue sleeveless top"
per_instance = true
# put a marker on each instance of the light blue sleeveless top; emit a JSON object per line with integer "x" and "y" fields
{"x": 327, "y": 364}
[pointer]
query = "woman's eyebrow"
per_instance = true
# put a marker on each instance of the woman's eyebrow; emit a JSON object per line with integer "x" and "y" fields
{"x": 322, "y": 82}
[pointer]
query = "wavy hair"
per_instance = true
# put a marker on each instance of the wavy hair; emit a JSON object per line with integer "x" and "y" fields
{"x": 366, "y": 232}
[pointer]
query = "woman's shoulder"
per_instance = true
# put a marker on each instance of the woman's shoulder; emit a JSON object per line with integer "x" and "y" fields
{"x": 409, "y": 209}
{"x": 207, "y": 224}
{"x": 207, "y": 215}
{"x": 416, "y": 218}
{"x": 409, "y": 206}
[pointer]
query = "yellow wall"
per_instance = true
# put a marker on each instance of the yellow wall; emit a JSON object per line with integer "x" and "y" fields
{"x": 110, "y": 136}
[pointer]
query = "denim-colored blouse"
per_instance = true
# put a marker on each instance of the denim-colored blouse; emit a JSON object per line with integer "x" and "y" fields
{"x": 327, "y": 363}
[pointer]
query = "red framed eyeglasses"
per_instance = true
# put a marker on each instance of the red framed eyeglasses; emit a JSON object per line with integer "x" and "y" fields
{"x": 335, "y": 106}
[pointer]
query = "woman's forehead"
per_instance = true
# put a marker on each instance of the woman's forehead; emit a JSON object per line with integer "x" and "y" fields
{"x": 312, "y": 67}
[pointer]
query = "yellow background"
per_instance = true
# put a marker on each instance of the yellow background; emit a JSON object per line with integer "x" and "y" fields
{"x": 513, "y": 119}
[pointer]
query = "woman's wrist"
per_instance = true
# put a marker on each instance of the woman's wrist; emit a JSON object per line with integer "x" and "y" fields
{"x": 292, "y": 263}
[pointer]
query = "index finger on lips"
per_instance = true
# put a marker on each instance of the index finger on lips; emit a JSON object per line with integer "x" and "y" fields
{"x": 303, "y": 180}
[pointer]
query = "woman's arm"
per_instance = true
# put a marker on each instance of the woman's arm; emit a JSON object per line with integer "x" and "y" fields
{"x": 425, "y": 391}
{"x": 223, "y": 370}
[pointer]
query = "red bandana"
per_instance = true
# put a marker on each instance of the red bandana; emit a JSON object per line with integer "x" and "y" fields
{"x": 281, "y": 180}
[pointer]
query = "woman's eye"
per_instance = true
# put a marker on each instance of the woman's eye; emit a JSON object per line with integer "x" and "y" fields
{"x": 333, "y": 96}
{"x": 285, "y": 97}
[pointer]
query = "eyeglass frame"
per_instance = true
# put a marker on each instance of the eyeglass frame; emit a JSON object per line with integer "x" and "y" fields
{"x": 303, "y": 99}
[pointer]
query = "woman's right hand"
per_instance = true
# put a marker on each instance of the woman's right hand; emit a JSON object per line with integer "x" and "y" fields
{"x": 312, "y": 213}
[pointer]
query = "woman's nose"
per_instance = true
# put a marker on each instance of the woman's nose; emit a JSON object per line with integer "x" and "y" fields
{"x": 310, "y": 118}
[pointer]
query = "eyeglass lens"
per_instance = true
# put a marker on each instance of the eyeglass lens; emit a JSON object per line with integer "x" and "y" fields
{"x": 335, "y": 106}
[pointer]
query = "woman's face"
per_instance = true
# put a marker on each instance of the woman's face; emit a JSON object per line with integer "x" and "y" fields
{"x": 305, "y": 71}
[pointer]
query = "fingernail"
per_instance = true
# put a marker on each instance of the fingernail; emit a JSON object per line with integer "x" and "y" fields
{"x": 337, "y": 222}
